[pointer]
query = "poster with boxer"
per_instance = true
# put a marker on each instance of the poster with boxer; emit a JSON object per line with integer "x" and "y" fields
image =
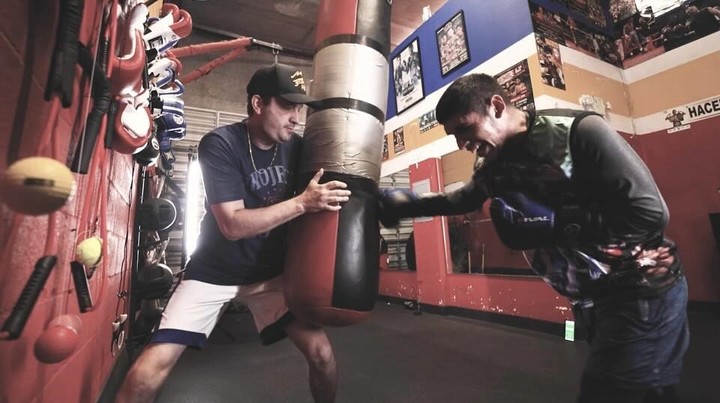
{"x": 546, "y": 23}
{"x": 622, "y": 9}
{"x": 516, "y": 81}
{"x": 596, "y": 13}
{"x": 398, "y": 140}
{"x": 551, "y": 68}
{"x": 407, "y": 76}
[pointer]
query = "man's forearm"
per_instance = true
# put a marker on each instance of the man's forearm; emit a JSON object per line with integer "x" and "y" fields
{"x": 402, "y": 203}
{"x": 246, "y": 223}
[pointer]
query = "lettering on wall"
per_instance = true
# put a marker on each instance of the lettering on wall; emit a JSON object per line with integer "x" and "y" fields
{"x": 428, "y": 121}
{"x": 683, "y": 116}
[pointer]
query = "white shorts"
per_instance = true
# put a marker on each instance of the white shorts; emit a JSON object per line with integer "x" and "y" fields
{"x": 195, "y": 307}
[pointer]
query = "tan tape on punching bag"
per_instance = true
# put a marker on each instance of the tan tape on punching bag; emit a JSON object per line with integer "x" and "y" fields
{"x": 331, "y": 272}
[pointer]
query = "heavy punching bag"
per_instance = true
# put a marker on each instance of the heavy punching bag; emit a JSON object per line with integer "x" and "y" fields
{"x": 331, "y": 271}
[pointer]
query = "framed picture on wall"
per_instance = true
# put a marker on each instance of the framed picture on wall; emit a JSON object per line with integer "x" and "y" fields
{"x": 407, "y": 77}
{"x": 452, "y": 44}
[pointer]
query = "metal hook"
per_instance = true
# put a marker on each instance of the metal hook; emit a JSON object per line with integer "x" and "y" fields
{"x": 275, "y": 54}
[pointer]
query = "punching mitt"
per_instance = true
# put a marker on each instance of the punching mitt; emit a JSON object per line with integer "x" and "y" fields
{"x": 523, "y": 223}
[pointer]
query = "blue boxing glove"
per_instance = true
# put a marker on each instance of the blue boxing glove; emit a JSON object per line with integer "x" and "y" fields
{"x": 523, "y": 223}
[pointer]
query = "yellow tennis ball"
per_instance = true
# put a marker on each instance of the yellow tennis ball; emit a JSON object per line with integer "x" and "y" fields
{"x": 36, "y": 185}
{"x": 89, "y": 251}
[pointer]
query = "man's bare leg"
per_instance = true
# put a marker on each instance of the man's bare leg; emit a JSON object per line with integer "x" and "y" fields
{"x": 149, "y": 372}
{"x": 315, "y": 346}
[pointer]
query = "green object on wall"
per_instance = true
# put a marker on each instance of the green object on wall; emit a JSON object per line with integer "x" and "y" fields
{"x": 569, "y": 330}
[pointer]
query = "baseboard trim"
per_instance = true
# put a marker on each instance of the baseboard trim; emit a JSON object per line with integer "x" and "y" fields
{"x": 704, "y": 306}
{"x": 555, "y": 329}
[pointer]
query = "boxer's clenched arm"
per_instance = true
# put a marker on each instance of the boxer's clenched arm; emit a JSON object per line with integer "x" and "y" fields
{"x": 606, "y": 168}
{"x": 401, "y": 203}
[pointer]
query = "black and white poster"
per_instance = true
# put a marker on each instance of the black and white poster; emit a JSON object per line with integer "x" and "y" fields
{"x": 428, "y": 121}
{"x": 407, "y": 76}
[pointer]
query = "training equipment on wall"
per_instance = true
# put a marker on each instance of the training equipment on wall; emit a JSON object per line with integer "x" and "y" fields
{"x": 36, "y": 185}
{"x": 145, "y": 79}
{"x": 154, "y": 281}
{"x": 89, "y": 251}
{"x": 101, "y": 104}
{"x": 13, "y": 326}
{"x": 156, "y": 214}
{"x": 150, "y": 153}
{"x": 59, "y": 340}
{"x": 332, "y": 273}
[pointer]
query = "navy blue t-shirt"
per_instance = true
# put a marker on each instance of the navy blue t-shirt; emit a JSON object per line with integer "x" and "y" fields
{"x": 229, "y": 175}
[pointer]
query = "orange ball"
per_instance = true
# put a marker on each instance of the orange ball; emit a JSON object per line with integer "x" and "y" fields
{"x": 55, "y": 344}
{"x": 71, "y": 321}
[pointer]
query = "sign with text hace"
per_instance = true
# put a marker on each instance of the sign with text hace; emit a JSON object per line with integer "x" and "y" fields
{"x": 682, "y": 116}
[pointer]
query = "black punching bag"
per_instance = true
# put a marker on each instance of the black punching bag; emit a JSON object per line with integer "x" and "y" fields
{"x": 331, "y": 273}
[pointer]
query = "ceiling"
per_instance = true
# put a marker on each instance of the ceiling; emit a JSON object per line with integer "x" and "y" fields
{"x": 289, "y": 23}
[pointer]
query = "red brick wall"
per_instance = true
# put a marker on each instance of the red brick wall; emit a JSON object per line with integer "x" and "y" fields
{"x": 686, "y": 167}
{"x": 81, "y": 376}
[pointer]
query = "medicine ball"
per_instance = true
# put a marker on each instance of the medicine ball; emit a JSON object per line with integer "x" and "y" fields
{"x": 154, "y": 281}
{"x": 157, "y": 214}
{"x": 55, "y": 344}
{"x": 36, "y": 185}
{"x": 59, "y": 340}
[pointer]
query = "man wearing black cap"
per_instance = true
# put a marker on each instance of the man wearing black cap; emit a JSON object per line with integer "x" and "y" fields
{"x": 248, "y": 170}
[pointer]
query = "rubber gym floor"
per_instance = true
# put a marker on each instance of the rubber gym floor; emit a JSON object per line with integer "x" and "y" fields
{"x": 397, "y": 356}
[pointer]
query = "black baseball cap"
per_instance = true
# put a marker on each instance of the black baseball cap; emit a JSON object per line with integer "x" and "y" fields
{"x": 280, "y": 80}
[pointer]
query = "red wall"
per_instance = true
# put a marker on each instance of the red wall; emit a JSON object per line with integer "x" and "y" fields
{"x": 434, "y": 284}
{"x": 686, "y": 166}
{"x": 80, "y": 377}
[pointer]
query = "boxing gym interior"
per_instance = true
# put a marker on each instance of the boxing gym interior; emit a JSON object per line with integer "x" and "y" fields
{"x": 101, "y": 198}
